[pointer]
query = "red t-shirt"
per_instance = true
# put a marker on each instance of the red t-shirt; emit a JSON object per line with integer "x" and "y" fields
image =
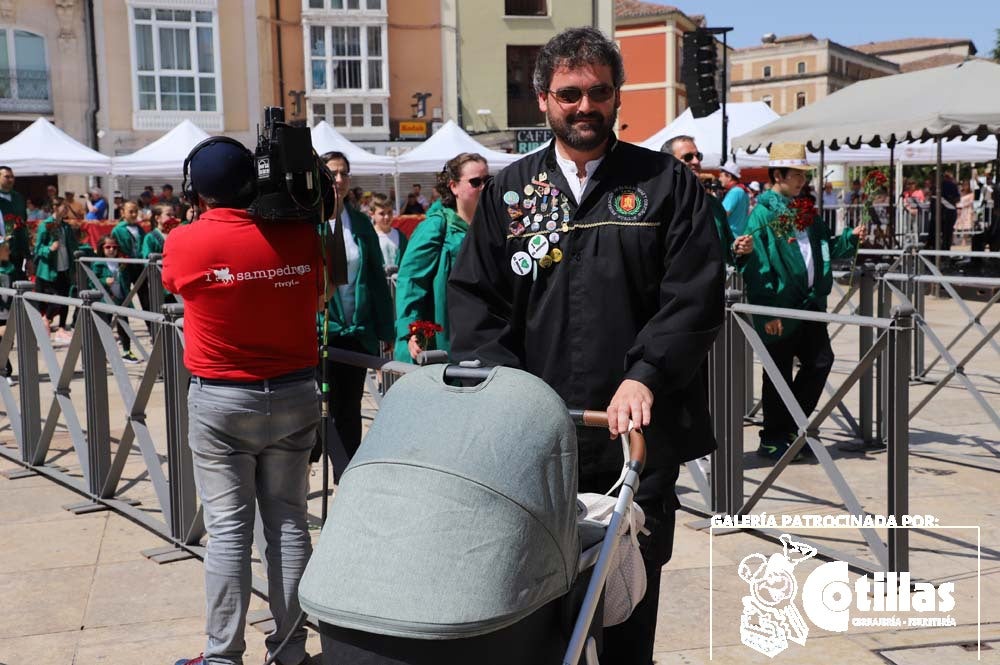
{"x": 250, "y": 293}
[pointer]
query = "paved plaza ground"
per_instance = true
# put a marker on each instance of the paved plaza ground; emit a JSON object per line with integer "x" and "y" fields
{"x": 76, "y": 589}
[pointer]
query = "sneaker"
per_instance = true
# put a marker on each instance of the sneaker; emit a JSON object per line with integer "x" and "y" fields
{"x": 200, "y": 660}
{"x": 10, "y": 380}
{"x": 774, "y": 448}
{"x": 131, "y": 359}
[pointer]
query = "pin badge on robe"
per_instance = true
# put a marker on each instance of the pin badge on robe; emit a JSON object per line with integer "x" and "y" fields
{"x": 545, "y": 261}
{"x": 528, "y": 190}
{"x": 557, "y": 255}
{"x": 538, "y": 247}
{"x": 520, "y": 263}
{"x": 553, "y": 237}
{"x": 511, "y": 198}
{"x": 516, "y": 228}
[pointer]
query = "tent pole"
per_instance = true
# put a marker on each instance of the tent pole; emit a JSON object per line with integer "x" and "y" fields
{"x": 395, "y": 186}
{"x": 822, "y": 181}
{"x": 937, "y": 209}
{"x": 891, "y": 222}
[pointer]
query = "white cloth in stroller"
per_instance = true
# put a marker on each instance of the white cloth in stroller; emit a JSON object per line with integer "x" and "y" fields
{"x": 626, "y": 583}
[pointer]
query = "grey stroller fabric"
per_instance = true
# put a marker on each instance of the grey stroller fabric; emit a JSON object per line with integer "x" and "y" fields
{"x": 457, "y": 516}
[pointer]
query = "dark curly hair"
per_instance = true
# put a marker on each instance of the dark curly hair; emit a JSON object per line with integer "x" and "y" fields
{"x": 452, "y": 172}
{"x": 573, "y": 48}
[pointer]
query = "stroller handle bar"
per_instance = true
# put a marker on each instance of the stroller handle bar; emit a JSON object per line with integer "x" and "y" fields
{"x": 636, "y": 439}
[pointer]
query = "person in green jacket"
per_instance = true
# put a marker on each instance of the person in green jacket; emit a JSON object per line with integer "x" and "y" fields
{"x": 55, "y": 245}
{"x": 14, "y": 226}
{"x": 129, "y": 235}
{"x": 392, "y": 241}
{"x": 113, "y": 276}
{"x": 6, "y": 281}
{"x": 790, "y": 268}
{"x": 422, "y": 281}
{"x": 360, "y": 312}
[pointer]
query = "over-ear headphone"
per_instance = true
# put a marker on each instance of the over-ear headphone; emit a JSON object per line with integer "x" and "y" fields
{"x": 188, "y": 186}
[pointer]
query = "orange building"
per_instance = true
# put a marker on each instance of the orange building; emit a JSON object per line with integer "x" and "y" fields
{"x": 650, "y": 37}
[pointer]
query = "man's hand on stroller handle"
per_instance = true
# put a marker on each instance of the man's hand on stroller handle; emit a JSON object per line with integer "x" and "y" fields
{"x": 636, "y": 440}
{"x": 632, "y": 401}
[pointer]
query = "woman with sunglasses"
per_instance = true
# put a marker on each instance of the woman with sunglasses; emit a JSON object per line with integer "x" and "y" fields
{"x": 431, "y": 251}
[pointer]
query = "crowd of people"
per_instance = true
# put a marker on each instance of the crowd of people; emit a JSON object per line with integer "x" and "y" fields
{"x": 40, "y": 239}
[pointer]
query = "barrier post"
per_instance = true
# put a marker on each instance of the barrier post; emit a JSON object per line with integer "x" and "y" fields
{"x": 78, "y": 273}
{"x": 898, "y": 416}
{"x": 27, "y": 370}
{"x": 154, "y": 282}
{"x": 881, "y": 393}
{"x": 95, "y": 378}
{"x": 916, "y": 270}
{"x": 718, "y": 378}
{"x": 735, "y": 403}
{"x": 866, "y": 338}
{"x": 179, "y": 464}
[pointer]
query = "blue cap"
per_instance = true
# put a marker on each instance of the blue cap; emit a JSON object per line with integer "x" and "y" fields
{"x": 221, "y": 168}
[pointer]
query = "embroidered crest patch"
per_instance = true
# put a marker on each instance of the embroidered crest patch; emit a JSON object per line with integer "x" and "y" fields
{"x": 628, "y": 202}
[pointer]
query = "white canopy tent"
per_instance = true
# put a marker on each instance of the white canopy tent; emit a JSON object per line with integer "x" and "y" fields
{"x": 707, "y": 132}
{"x": 44, "y": 149}
{"x": 431, "y": 155}
{"x": 163, "y": 157}
{"x": 327, "y": 139}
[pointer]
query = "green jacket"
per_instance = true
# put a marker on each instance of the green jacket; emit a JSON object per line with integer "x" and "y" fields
{"x": 723, "y": 229}
{"x": 131, "y": 247}
{"x": 15, "y": 217}
{"x": 422, "y": 282}
{"x": 372, "y": 302}
{"x": 47, "y": 261}
{"x": 121, "y": 285}
{"x": 775, "y": 272}
{"x": 152, "y": 243}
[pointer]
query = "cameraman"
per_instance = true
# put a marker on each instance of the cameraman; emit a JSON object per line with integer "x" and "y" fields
{"x": 251, "y": 290}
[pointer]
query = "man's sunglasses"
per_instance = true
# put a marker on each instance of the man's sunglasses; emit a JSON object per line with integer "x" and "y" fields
{"x": 572, "y": 95}
{"x": 691, "y": 155}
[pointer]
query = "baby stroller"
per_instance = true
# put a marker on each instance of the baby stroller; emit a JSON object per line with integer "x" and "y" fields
{"x": 454, "y": 535}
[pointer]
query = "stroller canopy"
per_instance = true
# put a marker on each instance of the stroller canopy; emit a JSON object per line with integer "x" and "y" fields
{"x": 457, "y": 517}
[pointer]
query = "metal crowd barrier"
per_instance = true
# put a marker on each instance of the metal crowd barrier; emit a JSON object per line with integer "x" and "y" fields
{"x": 885, "y": 353}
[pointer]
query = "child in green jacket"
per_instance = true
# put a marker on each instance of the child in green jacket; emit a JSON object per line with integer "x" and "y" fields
{"x": 55, "y": 245}
{"x": 790, "y": 268}
{"x": 114, "y": 278}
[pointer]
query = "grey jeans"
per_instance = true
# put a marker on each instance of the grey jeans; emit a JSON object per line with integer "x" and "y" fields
{"x": 246, "y": 444}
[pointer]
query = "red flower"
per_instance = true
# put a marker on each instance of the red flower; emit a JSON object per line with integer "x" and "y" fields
{"x": 425, "y": 331}
{"x": 799, "y": 216}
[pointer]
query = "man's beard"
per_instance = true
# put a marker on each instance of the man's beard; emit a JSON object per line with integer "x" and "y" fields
{"x": 566, "y": 131}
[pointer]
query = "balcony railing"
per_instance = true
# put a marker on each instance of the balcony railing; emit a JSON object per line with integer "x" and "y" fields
{"x": 25, "y": 90}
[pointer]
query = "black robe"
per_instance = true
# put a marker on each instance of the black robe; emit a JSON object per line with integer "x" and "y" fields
{"x": 630, "y": 286}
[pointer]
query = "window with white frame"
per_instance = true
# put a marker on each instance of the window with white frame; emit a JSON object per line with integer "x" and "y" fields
{"x": 372, "y": 5}
{"x": 347, "y": 76}
{"x": 175, "y": 59}
{"x": 24, "y": 74}
{"x": 346, "y": 57}
{"x": 350, "y": 114}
